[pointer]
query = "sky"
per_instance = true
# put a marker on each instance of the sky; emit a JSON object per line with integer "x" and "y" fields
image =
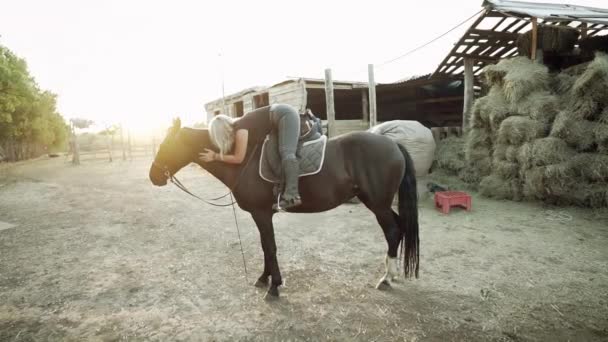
{"x": 142, "y": 62}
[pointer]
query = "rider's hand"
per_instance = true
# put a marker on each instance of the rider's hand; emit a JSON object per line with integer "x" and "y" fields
{"x": 207, "y": 156}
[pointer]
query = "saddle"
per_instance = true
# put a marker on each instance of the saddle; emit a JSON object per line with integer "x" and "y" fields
{"x": 311, "y": 155}
{"x": 311, "y": 127}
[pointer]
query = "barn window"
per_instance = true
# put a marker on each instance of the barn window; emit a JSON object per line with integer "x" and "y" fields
{"x": 260, "y": 100}
{"x": 238, "y": 109}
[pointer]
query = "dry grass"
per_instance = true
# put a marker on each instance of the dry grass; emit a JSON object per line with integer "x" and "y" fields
{"x": 517, "y": 130}
{"x": 601, "y": 132}
{"x": 449, "y": 154}
{"x": 523, "y": 78}
{"x": 494, "y": 186}
{"x": 492, "y": 110}
{"x": 543, "y": 152}
{"x": 592, "y": 167}
{"x": 505, "y": 169}
{"x": 577, "y": 132}
{"x": 541, "y": 106}
{"x": 593, "y": 83}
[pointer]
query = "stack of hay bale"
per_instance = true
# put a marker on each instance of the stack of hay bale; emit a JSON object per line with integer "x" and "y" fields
{"x": 541, "y": 136}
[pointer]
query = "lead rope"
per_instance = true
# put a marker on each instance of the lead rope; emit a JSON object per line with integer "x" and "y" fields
{"x": 238, "y": 232}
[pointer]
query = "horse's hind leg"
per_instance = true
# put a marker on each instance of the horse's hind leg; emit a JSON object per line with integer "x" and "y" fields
{"x": 387, "y": 220}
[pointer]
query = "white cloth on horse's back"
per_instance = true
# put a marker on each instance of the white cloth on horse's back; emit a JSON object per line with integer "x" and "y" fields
{"x": 311, "y": 155}
{"x": 417, "y": 140}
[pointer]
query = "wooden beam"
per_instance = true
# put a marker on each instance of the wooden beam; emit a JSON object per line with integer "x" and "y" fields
{"x": 469, "y": 95}
{"x": 461, "y": 40}
{"x": 373, "y": 115}
{"x": 329, "y": 101}
{"x": 477, "y": 57}
{"x": 493, "y": 34}
{"x": 364, "y": 105}
{"x": 322, "y": 86}
{"x": 534, "y": 38}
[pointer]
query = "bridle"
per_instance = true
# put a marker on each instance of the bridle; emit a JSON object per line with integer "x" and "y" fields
{"x": 165, "y": 170}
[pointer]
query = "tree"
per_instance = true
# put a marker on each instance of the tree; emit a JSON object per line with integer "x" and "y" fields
{"x": 29, "y": 122}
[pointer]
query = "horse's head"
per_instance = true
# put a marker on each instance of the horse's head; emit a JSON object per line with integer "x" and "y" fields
{"x": 175, "y": 152}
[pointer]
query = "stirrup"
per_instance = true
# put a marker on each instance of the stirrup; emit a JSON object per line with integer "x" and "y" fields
{"x": 283, "y": 205}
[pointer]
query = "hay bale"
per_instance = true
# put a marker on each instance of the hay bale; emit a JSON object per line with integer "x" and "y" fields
{"x": 559, "y": 184}
{"x": 593, "y": 83}
{"x": 559, "y": 39}
{"x": 505, "y": 169}
{"x": 577, "y": 132}
{"x": 471, "y": 175}
{"x": 592, "y": 167}
{"x": 511, "y": 153}
{"x": 496, "y": 110}
{"x": 449, "y": 154}
{"x": 541, "y": 106}
{"x": 543, "y": 152}
{"x": 477, "y": 119}
{"x": 493, "y": 105}
{"x": 500, "y": 152}
{"x": 563, "y": 82}
{"x": 534, "y": 183}
{"x": 600, "y": 132}
{"x": 524, "y": 77}
{"x": 494, "y": 186}
{"x": 516, "y": 130}
{"x": 494, "y": 74}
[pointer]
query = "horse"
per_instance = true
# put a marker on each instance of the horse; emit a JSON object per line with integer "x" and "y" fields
{"x": 369, "y": 166}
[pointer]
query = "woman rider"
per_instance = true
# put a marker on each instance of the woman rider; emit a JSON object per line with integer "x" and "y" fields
{"x": 231, "y": 137}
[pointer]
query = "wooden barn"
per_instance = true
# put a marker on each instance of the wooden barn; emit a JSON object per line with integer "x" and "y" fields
{"x": 444, "y": 98}
{"x": 434, "y": 102}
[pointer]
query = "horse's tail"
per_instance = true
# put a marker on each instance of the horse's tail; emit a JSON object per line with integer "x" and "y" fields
{"x": 408, "y": 217}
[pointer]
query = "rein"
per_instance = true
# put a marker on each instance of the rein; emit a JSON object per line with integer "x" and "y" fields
{"x": 183, "y": 188}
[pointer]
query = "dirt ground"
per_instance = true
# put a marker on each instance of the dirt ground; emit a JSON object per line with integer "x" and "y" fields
{"x": 98, "y": 253}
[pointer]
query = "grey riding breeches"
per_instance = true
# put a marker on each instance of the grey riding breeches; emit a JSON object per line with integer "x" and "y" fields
{"x": 286, "y": 126}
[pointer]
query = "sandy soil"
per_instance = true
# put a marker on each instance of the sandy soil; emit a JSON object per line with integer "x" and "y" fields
{"x": 98, "y": 253}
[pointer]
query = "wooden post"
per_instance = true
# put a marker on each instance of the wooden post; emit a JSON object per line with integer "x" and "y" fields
{"x": 373, "y": 116}
{"x": 122, "y": 143}
{"x": 469, "y": 95}
{"x": 129, "y": 145}
{"x": 110, "y": 142}
{"x": 534, "y": 38}
{"x": 76, "y": 156}
{"x": 329, "y": 100}
{"x": 584, "y": 30}
{"x": 364, "y": 105}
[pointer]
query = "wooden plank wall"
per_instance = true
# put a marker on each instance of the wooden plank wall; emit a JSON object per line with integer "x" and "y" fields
{"x": 289, "y": 93}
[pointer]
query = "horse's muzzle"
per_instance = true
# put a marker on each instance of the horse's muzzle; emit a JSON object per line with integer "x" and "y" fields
{"x": 157, "y": 177}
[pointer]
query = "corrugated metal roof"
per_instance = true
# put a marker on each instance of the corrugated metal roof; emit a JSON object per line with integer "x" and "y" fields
{"x": 552, "y": 12}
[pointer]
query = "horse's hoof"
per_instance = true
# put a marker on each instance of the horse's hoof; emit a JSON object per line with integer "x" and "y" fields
{"x": 261, "y": 284}
{"x": 383, "y": 285}
{"x": 272, "y": 294}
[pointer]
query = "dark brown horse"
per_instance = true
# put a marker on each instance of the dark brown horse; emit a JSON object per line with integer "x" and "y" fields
{"x": 368, "y": 166}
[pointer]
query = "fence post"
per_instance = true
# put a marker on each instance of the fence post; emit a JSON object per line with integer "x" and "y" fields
{"x": 469, "y": 94}
{"x": 122, "y": 143}
{"x": 129, "y": 143}
{"x": 329, "y": 100}
{"x": 373, "y": 115}
{"x": 76, "y": 153}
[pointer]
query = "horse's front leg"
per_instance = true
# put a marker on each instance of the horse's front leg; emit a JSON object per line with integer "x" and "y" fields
{"x": 271, "y": 266}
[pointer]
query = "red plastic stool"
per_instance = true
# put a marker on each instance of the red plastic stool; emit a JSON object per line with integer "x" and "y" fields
{"x": 447, "y": 199}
